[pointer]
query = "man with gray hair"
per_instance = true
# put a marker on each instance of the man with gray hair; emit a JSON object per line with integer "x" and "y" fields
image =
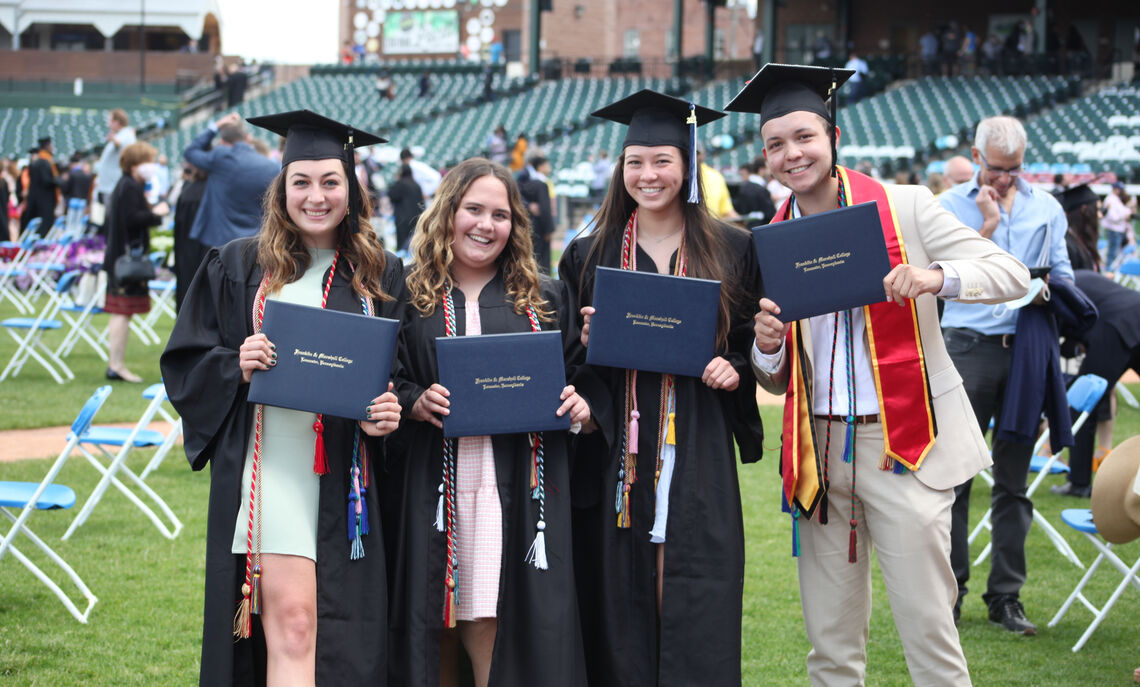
{"x": 238, "y": 178}
{"x": 958, "y": 170}
{"x": 1029, "y": 224}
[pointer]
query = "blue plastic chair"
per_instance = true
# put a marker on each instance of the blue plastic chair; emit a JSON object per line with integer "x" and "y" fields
{"x": 30, "y": 497}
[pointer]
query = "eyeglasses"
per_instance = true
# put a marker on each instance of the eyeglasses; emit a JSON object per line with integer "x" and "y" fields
{"x": 1013, "y": 172}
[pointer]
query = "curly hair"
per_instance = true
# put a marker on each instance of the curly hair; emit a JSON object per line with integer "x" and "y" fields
{"x": 282, "y": 253}
{"x": 430, "y": 275}
{"x": 706, "y": 249}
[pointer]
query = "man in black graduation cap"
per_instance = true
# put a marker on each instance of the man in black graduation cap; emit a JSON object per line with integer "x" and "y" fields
{"x": 871, "y": 392}
{"x": 42, "y": 193}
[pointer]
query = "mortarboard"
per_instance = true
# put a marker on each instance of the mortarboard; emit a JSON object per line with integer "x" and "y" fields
{"x": 656, "y": 119}
{"x": 1073, "y": 198}
{"x": 780, "y": 89}
{"x": 310, "y": 136}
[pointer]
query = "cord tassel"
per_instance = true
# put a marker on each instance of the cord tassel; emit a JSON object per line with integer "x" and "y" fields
{"x": 623, "y": 514}
{"x": 537, "y": 553}
{"x": 852, "y": 553}
{"x": 439, "y": 510}
{"x": 617, "y": 499}
{"x": 362, "y": 509}
{"x": 320, "y": 458}
{"x": 534, "y": 446}
{"x": 634, "y": 432}
{"x": 243, "y": 623}
{"x": 849, "y": 444}
{"x": 694, "y": 186}
{"x": 450, "y": 605}
{"x": 796, "y": 534}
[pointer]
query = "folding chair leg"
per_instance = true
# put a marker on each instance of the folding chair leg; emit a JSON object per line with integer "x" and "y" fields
{"x": 108, "y": 479}
{"x": 81, "y": 616}
{"x": 1058, "y": 541}
{"x": 1126, "y": 396}
{"x": 160, "y": 454}
{"x": 1078, "y": 593}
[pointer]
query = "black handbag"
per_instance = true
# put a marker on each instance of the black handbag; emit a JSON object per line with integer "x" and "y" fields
{"x": 133, "y": 266}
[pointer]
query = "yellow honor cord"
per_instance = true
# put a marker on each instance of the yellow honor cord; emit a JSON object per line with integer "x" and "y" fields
{"x": 671, "y": 432}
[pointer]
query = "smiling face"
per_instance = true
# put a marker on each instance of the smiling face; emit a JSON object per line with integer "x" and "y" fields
{"x": 653, "y": 175}
{"x": 316, "y": 198}
{"x": 482, "y": 225}
{"x": 999, "y": 169}
{"x": 798, "y": 150}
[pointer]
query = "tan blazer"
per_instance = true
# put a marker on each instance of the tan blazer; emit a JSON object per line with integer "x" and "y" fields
{"x": 989, "y": 275}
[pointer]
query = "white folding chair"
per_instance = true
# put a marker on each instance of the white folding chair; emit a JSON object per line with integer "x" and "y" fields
{"x": 1083, "y": 395}
{"x": 1080, "y": 519}
{"x": 124, "y": 440}
{"x": 157, "y": 395}
{"x": 161, "y": 301}
{"x": 29, "y": 342}
{"x": 78, "y": 318}
{"x": 30, "y": 497}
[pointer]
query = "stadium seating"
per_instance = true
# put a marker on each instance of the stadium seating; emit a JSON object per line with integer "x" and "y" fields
{"x": 1100, "y": 131}
{"x": 71, "y": 129}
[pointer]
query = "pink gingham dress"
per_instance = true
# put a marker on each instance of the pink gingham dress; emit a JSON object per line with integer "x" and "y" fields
{"x": 479, "y": 515}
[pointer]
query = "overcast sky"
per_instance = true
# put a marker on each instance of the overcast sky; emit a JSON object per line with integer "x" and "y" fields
{"x": 283, "y": 31}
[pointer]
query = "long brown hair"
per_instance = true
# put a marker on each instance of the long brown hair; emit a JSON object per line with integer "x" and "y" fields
{"x": 706, "y": 250}
{"x": 431, "y": 242}
{"x": 282, "y": 253}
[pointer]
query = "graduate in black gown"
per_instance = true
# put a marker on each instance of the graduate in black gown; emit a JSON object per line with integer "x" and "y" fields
{"x": 664, "y": 607}
{"x": 299, "y": 620}
{"x": 512, "y": 606}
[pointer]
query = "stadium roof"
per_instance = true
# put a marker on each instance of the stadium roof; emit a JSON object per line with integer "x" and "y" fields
{"x": 108, "y": 17}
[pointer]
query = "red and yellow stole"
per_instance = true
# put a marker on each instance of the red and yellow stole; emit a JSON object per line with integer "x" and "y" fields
{"x": 898, "y": 364}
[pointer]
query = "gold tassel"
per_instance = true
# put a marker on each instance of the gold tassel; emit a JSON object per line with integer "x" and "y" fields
{"x": 243, "y": 621}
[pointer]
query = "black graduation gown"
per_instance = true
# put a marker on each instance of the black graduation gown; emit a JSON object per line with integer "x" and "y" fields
{"x": 40, "y": 199}
{"x": 200, "y": 369}
{"x": 538, "y": 640}
{"x": 188, "y": 253}
{"x": 698, "y": 639}
{"x": 129, "y": 219}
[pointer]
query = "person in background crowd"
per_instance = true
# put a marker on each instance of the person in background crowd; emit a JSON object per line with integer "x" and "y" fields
{"x": 518, "y": 154}
{"x": 407, "y": 204}
{"x": 958, "y": 170}
{"x": 425, "y": 84}
{"x": 7, "y": 198}
{"x": 129, "y": 221}
{"x": 79, "y": 180}
{"x": 43, "y": 184}
{"x": 603, "y": 168}
{"x": 107, "y": 170}
{"x": 856, "y": 83}
{"x": 1118, "y": 210}
{"x": 384, "y": 86}
{"x": 714, "y": 190}
{"x": 535, "y": 192}
{"x": 188, "y": 253}
{"x": 497, "y": 146}
{"x": 1029, "y": 224}
{"x": 425, "y": 175}
{"x": 753, "y": 201}
{"x": 237, "y": 179}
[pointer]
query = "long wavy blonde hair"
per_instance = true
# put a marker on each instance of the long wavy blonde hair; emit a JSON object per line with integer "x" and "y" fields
{"x": 430, "y": 276}
{"x": 282, "y": 253}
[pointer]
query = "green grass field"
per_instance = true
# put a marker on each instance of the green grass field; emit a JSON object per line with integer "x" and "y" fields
{"x": 145, "y": 630}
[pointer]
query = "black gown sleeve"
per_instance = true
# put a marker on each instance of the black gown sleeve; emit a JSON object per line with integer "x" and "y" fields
{"x": 200, "y": 363}
{"x": 747, "y": 427}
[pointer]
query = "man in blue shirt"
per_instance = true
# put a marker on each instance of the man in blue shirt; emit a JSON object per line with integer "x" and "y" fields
{"x": 238, "y": 178}
{"x": 1029, "y": 224}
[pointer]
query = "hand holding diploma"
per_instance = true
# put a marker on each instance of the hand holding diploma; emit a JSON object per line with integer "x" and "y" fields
{"x": 587, "y": 312}
{"x": 720, "y": 375}
{"x": 256, "y": 353}
{"x": 431, "y": 404}
{"x": 579, "y": 410}
{"x": 769, "y": 330}
{"x": 910, "y": 281}
{"x": 383, "y": 414}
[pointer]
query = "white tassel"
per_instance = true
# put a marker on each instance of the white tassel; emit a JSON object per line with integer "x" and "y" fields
{"x": 537, "y": 553}
{"x": 439, "y": 511}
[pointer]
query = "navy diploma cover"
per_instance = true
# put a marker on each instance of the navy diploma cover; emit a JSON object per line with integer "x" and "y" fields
{"x": 502, "y": 383}
{"x": 328, "y": 361}
{"x": 823, "y": 263}
{"x": 653, "y": 322}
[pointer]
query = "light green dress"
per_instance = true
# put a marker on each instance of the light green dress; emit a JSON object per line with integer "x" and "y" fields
{"x": 290, "y": 490}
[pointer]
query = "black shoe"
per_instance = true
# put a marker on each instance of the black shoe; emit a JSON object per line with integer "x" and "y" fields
{"x": 1008, "y": 612}
{"x": 957, "y": 613}
{"x": 1067, "y": 489}
{"x": 111, "y": 374}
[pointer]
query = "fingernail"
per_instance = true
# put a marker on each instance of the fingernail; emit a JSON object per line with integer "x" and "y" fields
{"x": 273, "y": 355}
{"x": 272, "y": 363}
{"x": 368, "y": 416}
{"x": 273, "y": 346}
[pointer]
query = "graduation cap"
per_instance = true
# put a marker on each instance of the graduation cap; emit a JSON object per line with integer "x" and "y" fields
{"x": 1075, "y": 197}
{"x": 310, "y": 136}
{"x": 780, "y": 89}
{"x": 656, "y": 119}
